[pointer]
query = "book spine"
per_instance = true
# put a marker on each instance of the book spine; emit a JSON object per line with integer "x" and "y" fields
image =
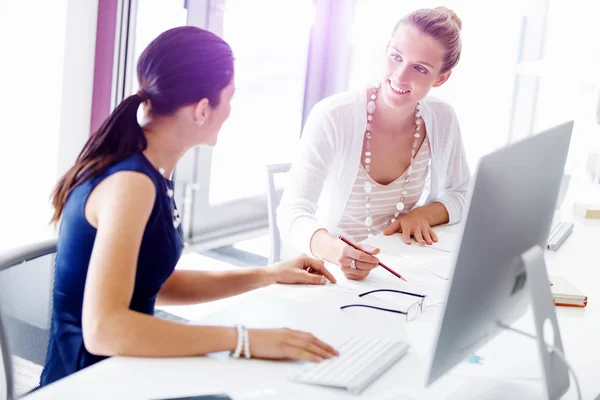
{"x": 580, "y": 305}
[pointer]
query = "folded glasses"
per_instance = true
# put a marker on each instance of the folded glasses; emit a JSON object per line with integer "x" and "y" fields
{"x": 412, "y": 312}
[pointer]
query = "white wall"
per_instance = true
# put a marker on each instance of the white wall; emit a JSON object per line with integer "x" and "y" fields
{"x": 78, "y": 80}
{"x": 47, "y": 82}
{"x": 32, "y": 36}
{"x": 46, "y": 76}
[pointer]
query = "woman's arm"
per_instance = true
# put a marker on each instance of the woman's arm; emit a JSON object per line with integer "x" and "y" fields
{"x": 449, "y": 205}
{"x": 296, "y": 212}
{"x": 189, "y": 287}
{"x": 120, "y": 207}
{"x": 458, "y": 175}
{"x": 418, "y": 223}
{"x": 434, "y": 213}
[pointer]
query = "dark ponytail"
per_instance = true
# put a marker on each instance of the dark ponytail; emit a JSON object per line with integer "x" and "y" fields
{"x": 180, "y": 67}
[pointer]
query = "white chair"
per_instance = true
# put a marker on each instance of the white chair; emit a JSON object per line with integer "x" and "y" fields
{"x": 6, "y": 385}
{"x": 278, "y": 251}
{"x": 26, "y": 282}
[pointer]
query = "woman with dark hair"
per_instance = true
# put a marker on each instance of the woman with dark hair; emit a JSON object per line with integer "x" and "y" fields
{"x": 120, "y": 235}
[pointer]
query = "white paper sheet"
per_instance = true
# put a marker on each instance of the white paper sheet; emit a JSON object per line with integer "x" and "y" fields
{"x": 441, "y": 267}
{"x": 418, "y": 280}
{"x": 394, "y": 244}
{"x": 438, "y": 258}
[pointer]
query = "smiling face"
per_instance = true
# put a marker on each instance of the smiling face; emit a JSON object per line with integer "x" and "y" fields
{"x": 413, "y": 65}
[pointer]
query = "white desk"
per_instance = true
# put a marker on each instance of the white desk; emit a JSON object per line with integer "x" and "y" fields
{"x": 316, "y": 310}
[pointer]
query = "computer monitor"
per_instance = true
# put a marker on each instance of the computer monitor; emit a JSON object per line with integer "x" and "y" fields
{"x": 511, "y": 205}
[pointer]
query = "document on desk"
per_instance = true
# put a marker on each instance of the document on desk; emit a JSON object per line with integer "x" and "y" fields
{"x": 394, "y": 245}
{"x": 418, "y": 280}
{"x": 436, "y": 258}
{"x": 441, "y": 266}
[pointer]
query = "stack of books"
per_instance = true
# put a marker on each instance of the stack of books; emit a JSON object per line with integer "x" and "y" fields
{"x": 565, "y": 293}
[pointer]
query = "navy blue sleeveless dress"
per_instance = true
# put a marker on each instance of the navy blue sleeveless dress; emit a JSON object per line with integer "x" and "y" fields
{"x": 160, "y": 250}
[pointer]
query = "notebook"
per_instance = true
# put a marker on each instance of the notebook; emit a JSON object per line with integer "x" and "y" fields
{"x": 565, "y": 293}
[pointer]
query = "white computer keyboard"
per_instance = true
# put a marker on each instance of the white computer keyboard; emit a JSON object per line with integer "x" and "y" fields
{"x": 361, "y": 361}
{"x": 558, "y": 233}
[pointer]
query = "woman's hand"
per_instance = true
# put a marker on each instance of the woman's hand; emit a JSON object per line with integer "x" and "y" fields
{"x": 357, "y": 264}
{"x": 416, "y": 224}
{"x": 280, "y": 344}
{"x": 302, "y": 269}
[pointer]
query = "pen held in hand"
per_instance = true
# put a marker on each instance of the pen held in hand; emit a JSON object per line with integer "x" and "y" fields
{"x": 349, "y": 243}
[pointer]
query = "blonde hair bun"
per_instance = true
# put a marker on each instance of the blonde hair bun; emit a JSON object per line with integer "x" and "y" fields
{"x": 441, "y": 24}
{"x": 451, "y": 14}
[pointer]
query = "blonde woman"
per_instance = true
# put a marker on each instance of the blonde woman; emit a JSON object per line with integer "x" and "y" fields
{"x": 387, "y": 158}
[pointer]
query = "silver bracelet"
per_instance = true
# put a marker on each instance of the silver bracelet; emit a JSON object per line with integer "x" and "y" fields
{"x": 240, "y": 341}
{"x": 246, "y": 344}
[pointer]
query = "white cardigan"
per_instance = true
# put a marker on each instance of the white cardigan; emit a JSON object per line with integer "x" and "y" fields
{"x": 326, "y": 163}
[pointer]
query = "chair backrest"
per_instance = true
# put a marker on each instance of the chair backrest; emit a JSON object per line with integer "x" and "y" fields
{"x": 6, "y": 386}
{"x": 273, "y": 199}
{"x": 26, "y": 283}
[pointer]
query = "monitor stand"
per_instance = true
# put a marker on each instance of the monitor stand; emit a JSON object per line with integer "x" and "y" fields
{"x": 555, "y": 374}
{"x": 490, "y": 388}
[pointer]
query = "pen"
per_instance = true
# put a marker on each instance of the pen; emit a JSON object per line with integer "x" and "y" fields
{"x": 349, "y": 243}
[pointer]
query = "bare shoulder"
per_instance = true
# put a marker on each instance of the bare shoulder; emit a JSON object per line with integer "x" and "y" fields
{"x": 123, "y": 193}
{"x": 129, "y": 182}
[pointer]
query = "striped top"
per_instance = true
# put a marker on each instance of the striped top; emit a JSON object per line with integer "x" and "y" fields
{"x": 383, "y": 198}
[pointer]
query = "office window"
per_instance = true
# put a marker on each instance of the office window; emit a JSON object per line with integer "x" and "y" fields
{"x": 271, "y": 57}
{"x": 569, "y": 86}
{"x": 222, "y": 189}
{"x": 153, "y": 18}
